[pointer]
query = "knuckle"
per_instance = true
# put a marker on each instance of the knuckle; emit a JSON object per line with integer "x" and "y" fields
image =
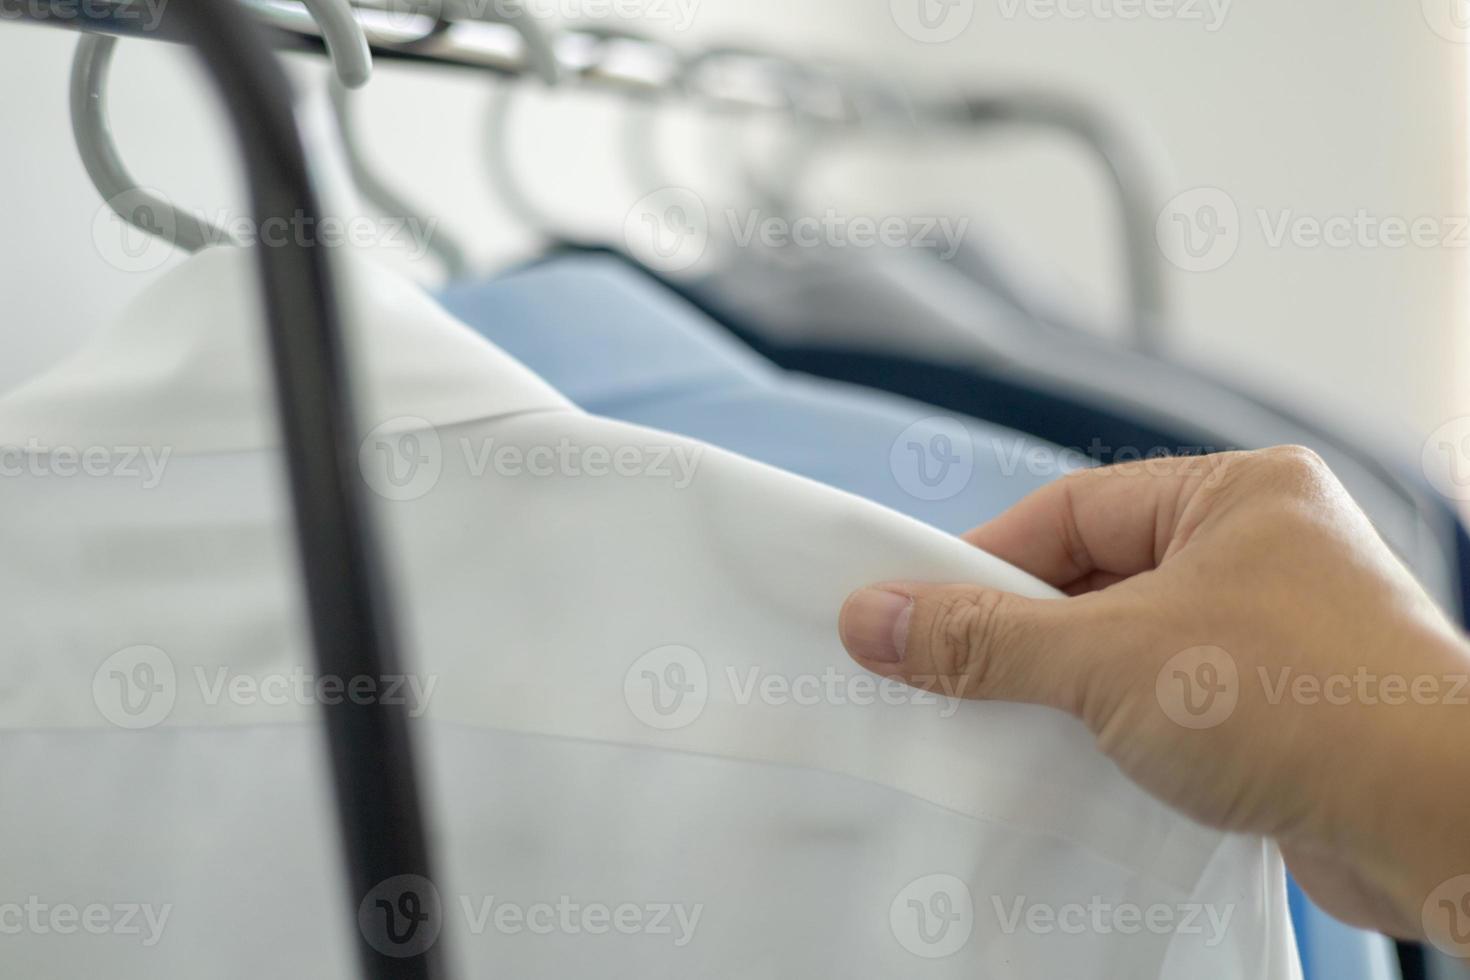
{"x": 1297, "y": 465}
{"x": 968, "y": 628}
{"x": 1281, "y": 472}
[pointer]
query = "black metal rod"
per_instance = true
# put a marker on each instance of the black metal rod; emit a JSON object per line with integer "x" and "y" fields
{"x": 377, "y": 792}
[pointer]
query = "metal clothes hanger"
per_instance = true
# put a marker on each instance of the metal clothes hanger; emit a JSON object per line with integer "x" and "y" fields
{"x": 792, "y": 85}
{"x": 596, "y": 44}
{"x": 868, "y": 103}
{"x": 1129, "y": 171}
{"x": 882, "y": 105}
{"x": 539, "y": 56}
{"x": 346, "y": 44}
{"x": 646, "y": 97}
{"x": 788, "y": 93}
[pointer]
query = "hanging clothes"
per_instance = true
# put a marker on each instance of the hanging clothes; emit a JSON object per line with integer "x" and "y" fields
{"x": 904, "y": 321}
{"x": 594, "y": 626}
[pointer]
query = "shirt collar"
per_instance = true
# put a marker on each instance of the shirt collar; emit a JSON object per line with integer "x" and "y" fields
{"x": 184, "y": 367}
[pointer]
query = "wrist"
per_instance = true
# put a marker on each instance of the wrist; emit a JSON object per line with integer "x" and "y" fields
{"x": 1423, "y": 858}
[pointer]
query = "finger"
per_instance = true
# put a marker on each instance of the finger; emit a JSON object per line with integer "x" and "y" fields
{"x": 976, "y": 643}
{"x": 1094, "y": 581}
{"x": 1111, "y": 522}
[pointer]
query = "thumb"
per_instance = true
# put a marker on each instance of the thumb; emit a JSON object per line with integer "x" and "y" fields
{"x": 976, "y": 643}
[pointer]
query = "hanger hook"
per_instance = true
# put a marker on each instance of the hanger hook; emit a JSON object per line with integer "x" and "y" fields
{"x": 869, "y": 102}
{"x": 346, "y": 43}
{"x": 540, "y": 58}
{"x": 865, "y": 100}
{"x": 790, "y": 80}
{"x": 502, "y": 169}
{"x": 378, "y": 192}
{"x": 640, "y": 125}
{"x": 540, "y": 51}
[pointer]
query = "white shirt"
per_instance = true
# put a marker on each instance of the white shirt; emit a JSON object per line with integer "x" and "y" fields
{"x": 648, "y": 753}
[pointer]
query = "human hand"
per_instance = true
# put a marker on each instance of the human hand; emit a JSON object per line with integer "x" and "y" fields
{"x": 1243, "y": 645}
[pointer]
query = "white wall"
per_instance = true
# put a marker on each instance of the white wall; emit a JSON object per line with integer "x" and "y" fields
{"x": 1311, "y": 108}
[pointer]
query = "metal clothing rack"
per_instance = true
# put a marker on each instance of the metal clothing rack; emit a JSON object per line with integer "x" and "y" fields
{"x": 449, "y": 33}
{"x": 377, "y": 790}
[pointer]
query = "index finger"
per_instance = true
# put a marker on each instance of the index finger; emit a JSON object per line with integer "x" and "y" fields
{"x": 1099, "y": 525}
